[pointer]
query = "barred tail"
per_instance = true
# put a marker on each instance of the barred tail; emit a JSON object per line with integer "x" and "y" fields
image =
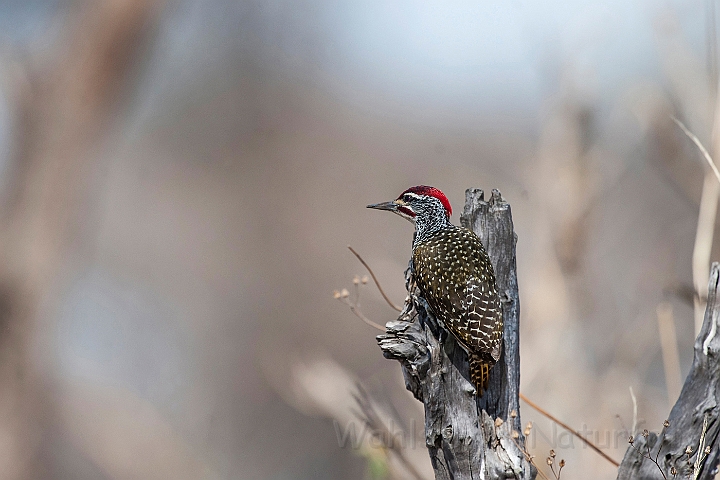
{"x": 479, "y": 373}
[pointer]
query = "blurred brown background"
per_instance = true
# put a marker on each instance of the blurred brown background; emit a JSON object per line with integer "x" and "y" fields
{"x": 179, "y": 181}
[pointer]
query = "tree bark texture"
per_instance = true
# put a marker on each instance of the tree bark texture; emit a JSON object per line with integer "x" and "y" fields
{"x": 468, "y": 437}
{"x": 689, "y": 442}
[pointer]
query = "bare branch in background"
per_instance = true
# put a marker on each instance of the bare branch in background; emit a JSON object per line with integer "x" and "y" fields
{"x": 705, "y": 226}
{"x": 377, "y": 283}
{"x": 569, "y": 429}
{"x": 700, "y": 146}
{"x": 635, "y": 411}
{"x": 646, "y": 453}
{"x": 703, "y": 243}
{"x": 344, "y": 296}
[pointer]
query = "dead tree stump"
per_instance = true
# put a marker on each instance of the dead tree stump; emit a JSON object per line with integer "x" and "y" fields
{"x": 688, "y": 445}
{"x": 467, "y": 437}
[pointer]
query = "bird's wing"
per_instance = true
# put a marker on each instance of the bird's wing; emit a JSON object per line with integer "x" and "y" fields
{"x": 429, "y": 265}
{"x": 469, "y": 305}
{"x": 483, "y": 317}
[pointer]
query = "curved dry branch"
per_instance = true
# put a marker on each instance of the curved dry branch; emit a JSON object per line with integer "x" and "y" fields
{"x": 377, "y": 283}
{"x": 569, "y": 429}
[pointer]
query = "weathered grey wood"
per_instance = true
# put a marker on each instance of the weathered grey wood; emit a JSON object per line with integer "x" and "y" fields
{"x": 467, "y": 437}
{"x": 492, "y": 222}
{"x": 699, "y": 399}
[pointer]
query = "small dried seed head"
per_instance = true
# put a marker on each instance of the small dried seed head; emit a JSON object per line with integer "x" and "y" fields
{"x": 645, "y": 433}
{"x": 562, "y": 463}
{"x": 631, "y": 440}
{"x": 526, "y": 432}
{"x": 528, "y": 426}
{"x": 513, "y": 413}
{"x": 498, "y": 422}
{"x": 344, "y": 293}
{"x": 707, "y": 450}
{"x": 688, "y": 450}
{"x": 666, "y": 423}
{"x": 552, "y": 453}
{"x": 356, "y": 280}
{"x": 515, "y": 434}
{"x": 549, "y": 461}
{"x": 336, "y": 294}
{"x": 673, "y": 471}
{"x": 364, "y": 279}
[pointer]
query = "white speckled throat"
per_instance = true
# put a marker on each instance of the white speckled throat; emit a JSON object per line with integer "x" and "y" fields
{"x": 431, "y": 217}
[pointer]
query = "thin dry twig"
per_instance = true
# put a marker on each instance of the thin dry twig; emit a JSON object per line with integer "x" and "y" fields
{"x": 566, "y": 427}
{"x": 530, "y": 458}
{"x": 551, "y": 463}
{"x": 700, "y": 146}
{"x": 703, "y": 451}
{"x": 703, "y": 244}
{"x": 372, "y": 274}
{"x": 705, "y": 227}
{"x": 634, "y": 423}
{"x": 648, "y": 454}
{"x": 362, "y": 317}
{"x": 344, "y": 296}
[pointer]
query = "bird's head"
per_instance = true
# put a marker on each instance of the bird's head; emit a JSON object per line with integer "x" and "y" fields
{"x": 420, "y": 201}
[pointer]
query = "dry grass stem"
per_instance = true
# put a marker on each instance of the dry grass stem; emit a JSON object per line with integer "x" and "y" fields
{"x": 566, "y": 427}
{"x": 647, "y": 454}
{"x": 530, "y": 458}
{"x": 702, "y": 453}
{"x": 550, "y": 460}
{"x": 700, "y": 146}
{"x": 372, "y": 274}
{"x": 344, "y": 296}
{"x": 703, "y": 244}
{"x": 705, "y": 227}
{"x": 671, "y": 357}
{"x": 634, "y": 421}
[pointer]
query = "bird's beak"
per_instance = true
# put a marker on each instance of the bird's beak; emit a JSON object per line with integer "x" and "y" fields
{"x": 391, "y": 206}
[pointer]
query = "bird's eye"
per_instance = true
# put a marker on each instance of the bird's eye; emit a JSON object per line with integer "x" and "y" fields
{"x": 407, "y": 199}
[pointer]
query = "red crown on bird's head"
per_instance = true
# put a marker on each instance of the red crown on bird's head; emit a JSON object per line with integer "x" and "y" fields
{"x": 432, "y": 192}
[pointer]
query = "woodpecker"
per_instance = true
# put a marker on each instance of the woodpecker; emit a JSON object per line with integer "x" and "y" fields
{"x": 455, "y": 277}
